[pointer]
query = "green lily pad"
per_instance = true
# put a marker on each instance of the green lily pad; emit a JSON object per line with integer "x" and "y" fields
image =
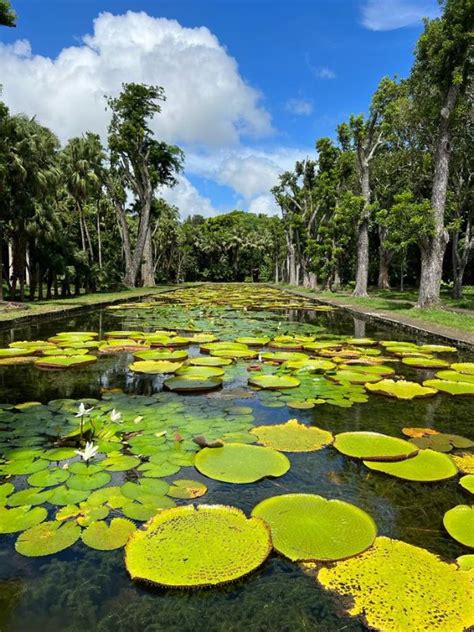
{"x": 57, "y": 363}
{"x": 437, "y": 349}
{"x": 452, "y": 388}
{"x": 5, "y": 490}
{"x": 84, "y": 515}
{"x": 111, "y": 496}
{"x": 250, "y": 341}
{"x": 48, "y": 478}
{"x": 200, "y": 371}
{"x": 241, "y": 463}
{"x": 373, "y": 446}
{"x": 442, "y": 442}
{"x": 293, "y": 437}
{"x": 273, "y": 382}
{"x": 311, "y": 365}
{"x": 23, "y": 467}
{"x": 197, "y": 546}
{"x": 195, "y": 383}
{"x": 20, "y": 518}
{"x": 459, "y": 523}
{"x": 353, "y": 377}
{"x": 47, "y": 538}
{"x": 454, "y": 376}
{"x": 427, "y": 466}
{"x": 425, "y": 363}
{"x": 466, "y": 481}
{"x": 463, "y": 367}
{"x": 285, "y": 356}
{"x": 466, "y": 562}
{"x": 395, "y": 587}
{"x": 29, "y": 496}
{"x": 146, "y": 486}
{"x": 63, "y": 496}
{"x": 59, "y": 454}
{"x": 210, "y": 361}
{"x": 185, "y": 489}
{"x": 93, "y": 481}
{"x": 309, "y": 527}
{"x": 154, "y": 366}
{"x": 162, "y": 355}
{"x": 403, "y": 389}
{"x": 139, "y": 511}
{"x": 107, "y": 537}
{"x": 120, "y": 463}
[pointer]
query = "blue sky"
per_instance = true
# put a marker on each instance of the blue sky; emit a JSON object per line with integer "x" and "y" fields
{"x": 248, "y": 94}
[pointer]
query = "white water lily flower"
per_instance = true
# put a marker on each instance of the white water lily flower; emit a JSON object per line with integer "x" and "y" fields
{"x": 82, "y": 410}
{"x": 259, "y": 357}
{"x": 115, "y": 416}
{"x": 89, "y": 451}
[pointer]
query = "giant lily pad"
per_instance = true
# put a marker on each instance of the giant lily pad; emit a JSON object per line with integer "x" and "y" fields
{"x": 58, "y": 363}
{"x": 373, "y": 446}
{"x": 427, "y": 466}
{"x": 293, "y": 437}
{"x": 210, "y": 361}
{"x": 397, "y": 587}
{"x": 467, "y": 482}
{"x": 190, "y": 383}
{"x": 241, "y": 463}
{"x": 160, "y": 355}
{"x": 453, "y": 388}
{"x": 250, "y": 341}
{"x": 309, "y": 527}
{"x": 200, "y": 371}
{"x": 425, "y": 363}
{"x": 154, "y": 366}
{"x": 47, "y": 538}
{"x": 197, "y": 546}
{"x": 107, "y": 537}
{"x": 459, "y": 523}
{"x": 285, "y": 356}
{"x": 403, "y": 389}
{"x": 465, "y": 462}
{"x": 454, "y": 376}
{"x": 273, "y": 382}
{"x": 463, "y": 367}
{"x": 20, "y": 518}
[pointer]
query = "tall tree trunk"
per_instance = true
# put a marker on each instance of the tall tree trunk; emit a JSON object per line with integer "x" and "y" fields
{"x": 385, "y": 257}
{"x": 99, "y": 241}
{"x": 362, "y": 270}
{"x": 148, "y": 269}
{"x": 433, "y": 249}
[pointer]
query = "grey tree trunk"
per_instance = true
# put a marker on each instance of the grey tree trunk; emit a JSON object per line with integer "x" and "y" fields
{"x": 385, "y": 257}
{"x": 148, "y": 268}
{"x": 362, "y": 271}
{"x": 433, "y": 249}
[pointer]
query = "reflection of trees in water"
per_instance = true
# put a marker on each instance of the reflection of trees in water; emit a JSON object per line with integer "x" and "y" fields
{"x": 359, "y": 327}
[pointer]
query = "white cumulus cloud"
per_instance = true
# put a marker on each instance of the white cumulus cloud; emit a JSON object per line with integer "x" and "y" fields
{"x": 188, "y": 199}
{"x": 207, "y": 99}
{"x": 387, "y": 15}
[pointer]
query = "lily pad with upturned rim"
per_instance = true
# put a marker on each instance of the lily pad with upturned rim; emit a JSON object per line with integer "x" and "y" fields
{"x": 309, "y": 527}
{"x": 467, "y": 482}
{"x": 198, "y": 546}
{"x": 154, "y": 366}
{"x": 459, "y": 523}
{"x": 273, "y": 382}
{"x": 402, "y": 389}
{"x": 241, "y": 463}
{"x": 452, "y": 388}
{"x": 58, "y": 363}
{"x": 194, "y": 383}
{"x": 426, "y": 467}
{"x": 374, "y": 446}
{"x": 395, "y": 586}
{"x": 293, "y": 437}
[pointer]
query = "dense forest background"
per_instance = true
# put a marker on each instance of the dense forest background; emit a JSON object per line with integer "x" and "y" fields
{"x": 388, "y": 201}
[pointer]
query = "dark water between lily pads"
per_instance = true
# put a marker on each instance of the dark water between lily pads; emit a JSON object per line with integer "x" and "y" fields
{"x": 82, "y": 589}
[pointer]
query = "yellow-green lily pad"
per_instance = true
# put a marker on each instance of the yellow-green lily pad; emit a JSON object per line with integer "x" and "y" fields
{"x": 459, "y": 523}
{"x": 107, "y": 537}
{"x": 293, "y": 437}
{"x": 20, "y": 518}
{"x": 47, "y": 538}
{"x": 452, "y": 388}
{"x": 402, "y": 389}
{"x": 273, "y": 382}
{"x": 374, "y": 446}
{"x": 427, "y": 466}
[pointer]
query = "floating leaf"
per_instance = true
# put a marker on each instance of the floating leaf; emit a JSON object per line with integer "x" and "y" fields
{"x": 285, "y": 356}
{"x": 93, "y": 481}
{"x": 425, "y": 363}
{"x": 47, "y": 538}
{"x": 57, "y": 363}
{"x": 29, "y": 496}
{"x": 197, "y": 546}
{"x": 192, "y": 383}
{"x": 185, "y": 489}
{"x": 107, "y": 537}
{"x": 120, "y": 463}
{"x": 84, "y": 515}
{"x": 402, "y": 389}
{"x": 419, "y": 432}
{"x": 253, "y": 342}
{"x": 465, "y": 462}
{"x": 293, "y": 437}
{"x": 466, "y": 481}
{"x": 452, "y": 388}
{"x": 373, "y": 446}
{"x": 463, "y": 367}
{"x": 154, "y": 366}
{"x": 398, "y": 587}
{"x": 442, "y": 442}
{"x": 459, "y": 523}
{"x": 20, "y": 518}
{"x": 466, "y": 562}
{"x": 427, "y": 466}
{"x": 48, "y": 478}
{"x": 63, "y": 496}
{"x": 309, "y": 527}
{"x": 160, "y": 355}
{"x": 273, "y": 382}
{"x": 241, "y": 463}
{"x": 210, "y": 361}
{"x": 5, "y": 490}
{"x": 454, "y": 376}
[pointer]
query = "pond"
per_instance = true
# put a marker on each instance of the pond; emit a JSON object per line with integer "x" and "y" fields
{"x": 81, "y": 588}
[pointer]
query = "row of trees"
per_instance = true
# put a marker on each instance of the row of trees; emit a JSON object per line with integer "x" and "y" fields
{"x": 398, "y": 177}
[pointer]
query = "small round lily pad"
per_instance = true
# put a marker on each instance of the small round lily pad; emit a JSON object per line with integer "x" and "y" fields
{"x": 47, "y": 538}
{"x": 107, "y": 537}
{"x": 186, "y": 489}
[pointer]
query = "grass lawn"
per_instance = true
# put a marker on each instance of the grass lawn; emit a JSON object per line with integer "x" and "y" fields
{"x": 85, "y": 300}
{"x": 403, "y": 304}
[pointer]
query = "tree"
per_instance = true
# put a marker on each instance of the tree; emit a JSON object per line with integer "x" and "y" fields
{"x": 365, "y": 136}
{"x": 139, "y": 165}
{"x": 7, "y": 15}
{"x": 440, "y": 78}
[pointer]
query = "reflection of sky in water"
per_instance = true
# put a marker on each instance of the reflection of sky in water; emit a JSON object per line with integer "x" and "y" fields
{"x": 84, "y": 590}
